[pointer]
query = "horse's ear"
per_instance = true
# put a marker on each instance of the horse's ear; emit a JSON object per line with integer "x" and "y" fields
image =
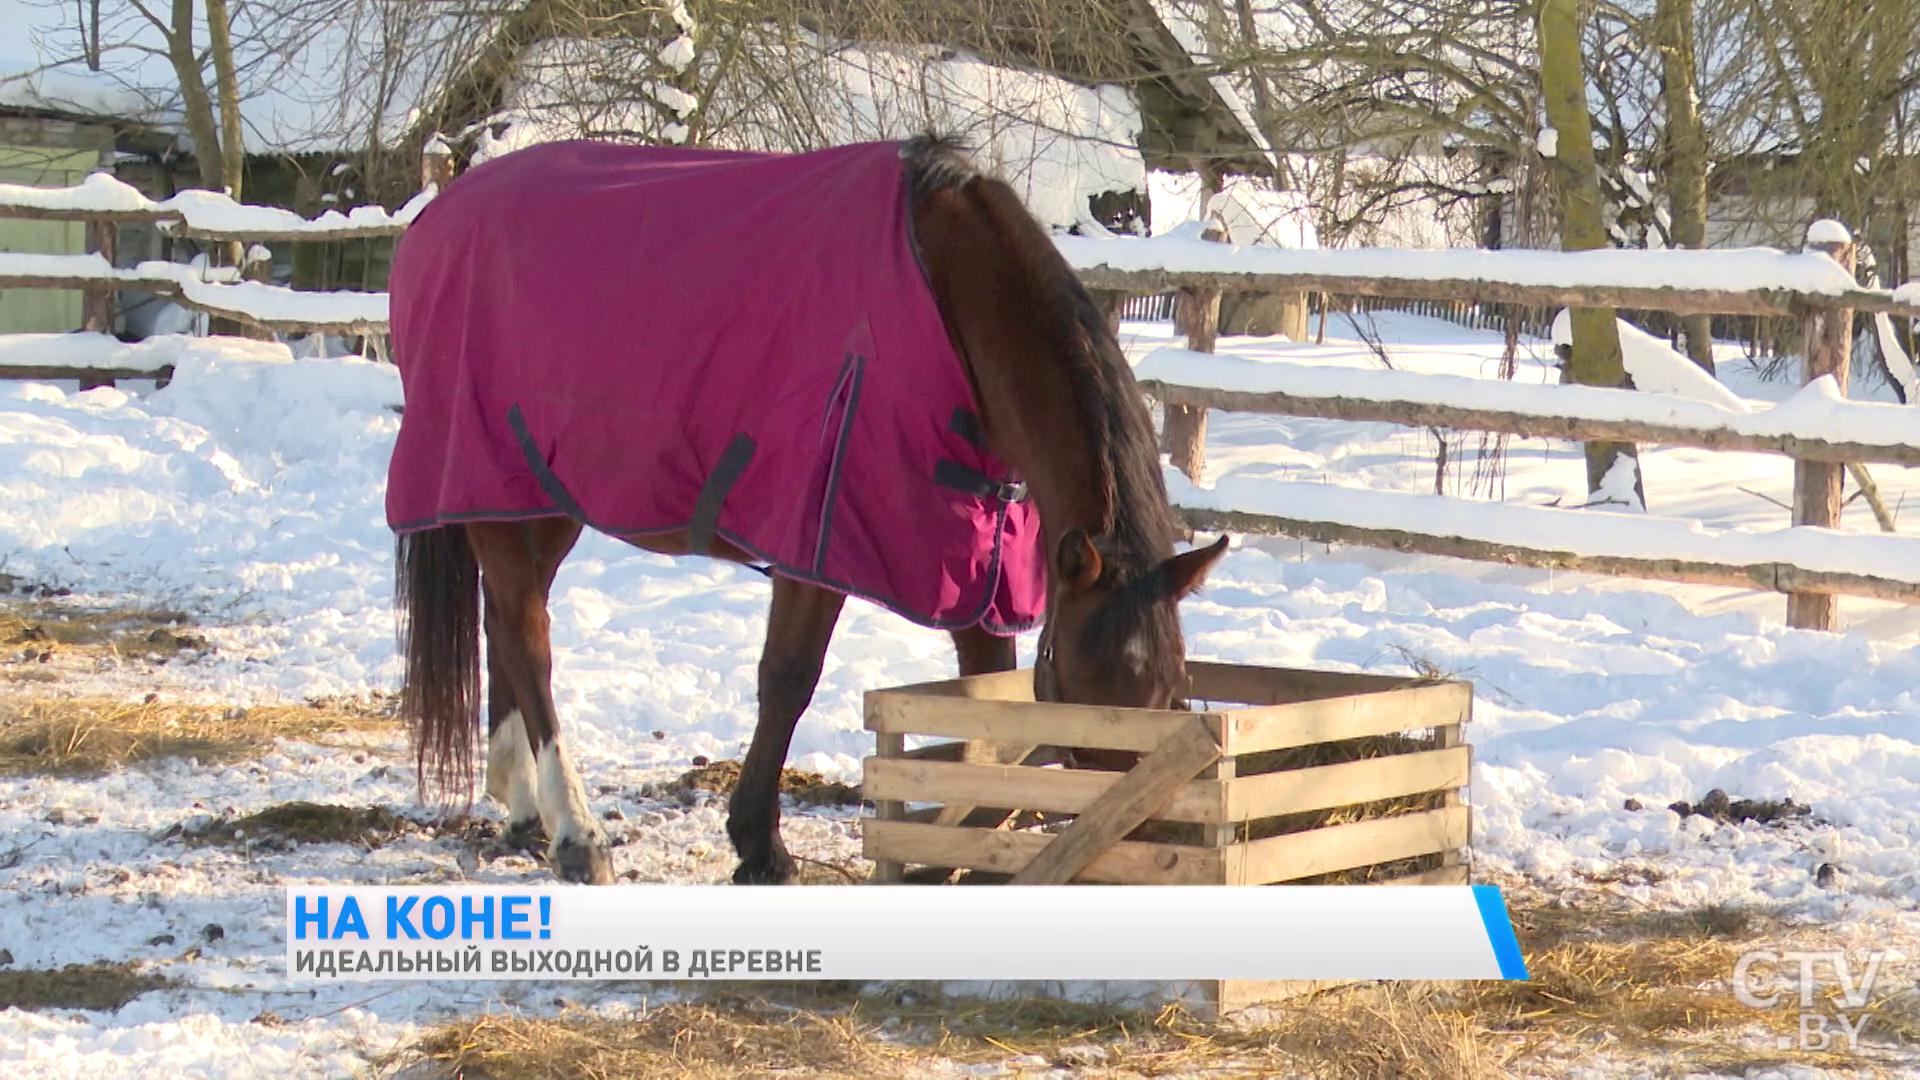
{"x": 1187, "y": 571}
{"x": 1078, "y": 562}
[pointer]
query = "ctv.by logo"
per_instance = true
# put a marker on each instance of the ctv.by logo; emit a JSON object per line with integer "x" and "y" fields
{"x": 1760, "y": 982}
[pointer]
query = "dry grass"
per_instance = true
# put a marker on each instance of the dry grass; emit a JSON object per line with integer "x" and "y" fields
{"x": 1371, "y": 1036}
{"x": 88, "y": 736}
{"x": 1656, "y": 983}
{"x": 692, "y": 1041}
{"x": 77, "y": 986}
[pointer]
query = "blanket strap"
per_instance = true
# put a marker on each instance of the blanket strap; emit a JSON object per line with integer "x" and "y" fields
{"x": 556, "y": 492}
{"x": 951, "y": 474}
{"x": 705, "y": 523}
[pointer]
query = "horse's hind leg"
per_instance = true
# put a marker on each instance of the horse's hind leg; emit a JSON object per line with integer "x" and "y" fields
{"x": 799, "y": 627}
{"x": 517, "y": 566}
{"x": 512, "y": 780}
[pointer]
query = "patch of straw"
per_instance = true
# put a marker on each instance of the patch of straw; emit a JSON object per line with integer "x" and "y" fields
{"x": 88, "y": 736}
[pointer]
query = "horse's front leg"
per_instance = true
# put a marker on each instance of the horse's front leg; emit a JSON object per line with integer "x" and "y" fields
{"x": 799, "y": 627}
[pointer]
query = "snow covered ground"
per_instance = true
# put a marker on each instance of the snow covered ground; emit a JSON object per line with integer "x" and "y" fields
{"x": 250, "y": 493}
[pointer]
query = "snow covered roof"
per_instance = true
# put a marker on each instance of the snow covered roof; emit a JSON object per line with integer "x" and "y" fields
{"x": 25, "y": 84}
{"x": 1186, "y": 29}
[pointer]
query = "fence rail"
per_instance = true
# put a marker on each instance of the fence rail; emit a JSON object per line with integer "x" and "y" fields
{"x": 1771, "y": 575}
{"x": 1883, "y": 434}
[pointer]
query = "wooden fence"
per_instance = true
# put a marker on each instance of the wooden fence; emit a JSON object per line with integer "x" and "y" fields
{"x": 104, "y": 204}
{"x": 1826, "y": 314}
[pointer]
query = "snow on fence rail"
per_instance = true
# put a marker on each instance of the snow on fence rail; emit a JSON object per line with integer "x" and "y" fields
{"x": 1796, "y": 559}
{"x": 198, "y": 215}
{"x": 1752, "y": 281}
{"x": 1810, "y": 562}
{"x": 1817, "y": 424}
{"x": 267, "y": 306}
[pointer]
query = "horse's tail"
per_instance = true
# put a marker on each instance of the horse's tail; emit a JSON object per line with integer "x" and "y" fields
{"x": 437, "y": 603}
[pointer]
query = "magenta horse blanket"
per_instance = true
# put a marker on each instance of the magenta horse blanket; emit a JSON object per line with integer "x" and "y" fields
{"x": 743, "y": 346}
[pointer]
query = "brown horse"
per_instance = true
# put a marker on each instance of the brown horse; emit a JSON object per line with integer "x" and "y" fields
{"x": 1056, "y": 402}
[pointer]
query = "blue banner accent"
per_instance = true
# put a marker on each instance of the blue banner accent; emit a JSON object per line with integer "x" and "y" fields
{"x": 1506, "y": 947}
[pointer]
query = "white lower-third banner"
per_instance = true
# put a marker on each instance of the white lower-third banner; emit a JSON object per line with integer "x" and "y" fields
{"x": 882, "y": 932}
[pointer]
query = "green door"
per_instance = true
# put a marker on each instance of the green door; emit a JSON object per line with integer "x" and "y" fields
{"x": 29, "y": 310}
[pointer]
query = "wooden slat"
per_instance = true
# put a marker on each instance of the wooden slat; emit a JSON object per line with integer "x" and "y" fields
{"x": 1127, "y": 862}
{"x": 1701, "y": 301}
{"x": 1774, "y": 576}
{"x": 886, "y": 745}
{"x": 1531, "y": 425}
{"x": 1321, "y": 787}
{"x": 1451, "y": 736}
{"x": 1015, "y": 685}
{"x": 173, "y": 224}
{"x": 1344, "y": 847}
{"x": 1024, "y": 721}
{"x": 1059, "y": 791}
{"x": 84, "y": 374}
{"x": 973, "y": 815}
{"x": 1281, "y": 686}
{"x": 1280, "y": 727}
{"x": 1125, "y": 806}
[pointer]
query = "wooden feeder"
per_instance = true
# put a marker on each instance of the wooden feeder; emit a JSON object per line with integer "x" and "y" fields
{"x": 1277, "y": 776}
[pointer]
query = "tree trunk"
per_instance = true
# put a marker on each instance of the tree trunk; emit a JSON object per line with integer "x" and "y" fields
{"x": 233, "y": 147}
{"x": 1596, "y": 359}
{"x": 194, "y": 100}
{"x": 1686, "y": 155}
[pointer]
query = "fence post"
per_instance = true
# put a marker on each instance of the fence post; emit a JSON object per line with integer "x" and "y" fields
{"x": 1184, "y": 427}
{"x": 103, "y": 239}
{"x": 1827, "y": 344}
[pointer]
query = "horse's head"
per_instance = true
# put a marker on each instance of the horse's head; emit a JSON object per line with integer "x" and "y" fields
{"x": 1113, "y": 631}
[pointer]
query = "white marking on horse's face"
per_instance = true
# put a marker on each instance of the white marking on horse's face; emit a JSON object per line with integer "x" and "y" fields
{"x": 1135, "y": 653}
{"x": 511, "y": 778}
{"x": 563, "y": 801}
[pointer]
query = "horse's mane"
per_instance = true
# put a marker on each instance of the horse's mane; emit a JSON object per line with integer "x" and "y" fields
{"x": 1140, "y": 528}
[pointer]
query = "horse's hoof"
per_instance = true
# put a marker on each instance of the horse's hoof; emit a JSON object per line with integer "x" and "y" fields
{"x": 582, "y": 864}
{"x": 523, "y": 835}
{"x": 775, "y": 871}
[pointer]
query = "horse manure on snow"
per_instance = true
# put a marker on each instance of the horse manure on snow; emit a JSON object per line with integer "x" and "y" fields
{"x": 1726, "y": 810}
{"x": 807, "y": 789}
{"x": 105, "y": 987}
{"x": 291, "y": 824}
